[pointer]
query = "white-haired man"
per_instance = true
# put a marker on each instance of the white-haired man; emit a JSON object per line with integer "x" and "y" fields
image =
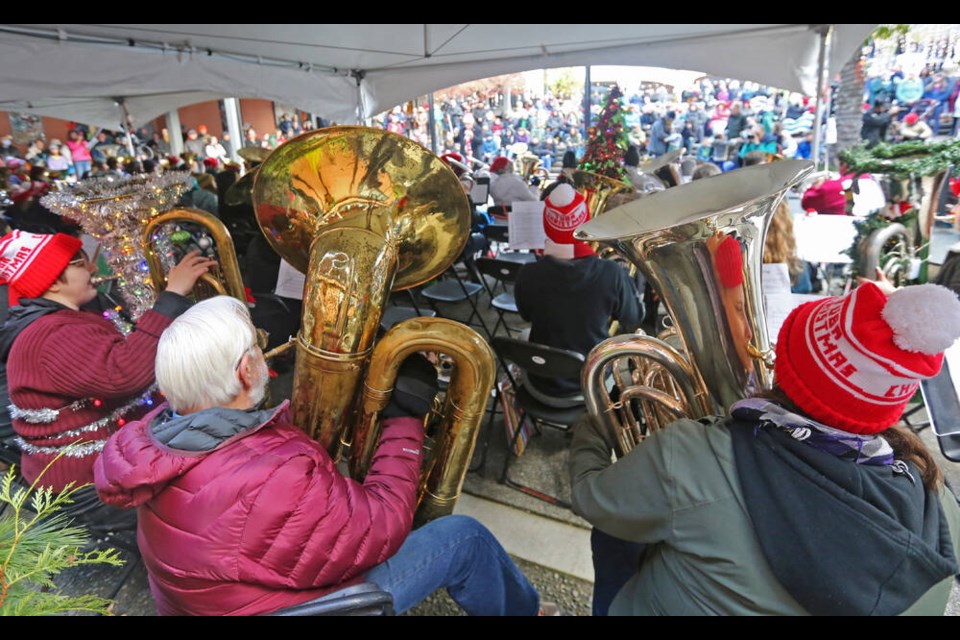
{"x": 242, "y": 513}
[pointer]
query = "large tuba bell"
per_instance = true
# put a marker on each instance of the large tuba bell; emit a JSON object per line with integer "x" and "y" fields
{"x": 225, "y": 279}
{"x": 363, "y": 212}
{"x": 722, "y": 352}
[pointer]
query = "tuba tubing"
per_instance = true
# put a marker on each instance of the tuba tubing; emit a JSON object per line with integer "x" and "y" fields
{"x": 228, "y": 279}
{"x": 693, "y": 401}
{"x": 464, "y": 406}
{"x": 872, "y": 247}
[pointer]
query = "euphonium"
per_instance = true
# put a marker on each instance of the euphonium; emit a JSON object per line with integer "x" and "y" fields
{"x": 597, "y": 189}
{"x": 891, "y": 249}
{"x": 363, "y": 212}
{"x": 530, "y": 168}
{"x": 724, "y": 349}
{"x": 224, "y": 280}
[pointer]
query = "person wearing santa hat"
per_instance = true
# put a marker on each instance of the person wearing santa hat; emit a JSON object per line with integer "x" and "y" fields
{"x": 506, "y": 186}
{"x": 74, "y": 376}
{"x": 913, "y": 127}
{"x": 570, "y": 296}
{"x": 806, "y": 498}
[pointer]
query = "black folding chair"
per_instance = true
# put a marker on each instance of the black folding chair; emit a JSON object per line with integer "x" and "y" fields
{"x": 498, "y": 237}
{"x": 452, "y": 289}
{"x": 943, "y": 408}
{"x": 504, "y": 274}
{"x": 363, "y": 599}
{"x": 556, "y": 411}
{"x": 395, "y": 313}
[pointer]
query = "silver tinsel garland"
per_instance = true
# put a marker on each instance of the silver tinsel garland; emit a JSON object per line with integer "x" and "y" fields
{"x": 40, "y": 416}
{"x": 115, "y": 211}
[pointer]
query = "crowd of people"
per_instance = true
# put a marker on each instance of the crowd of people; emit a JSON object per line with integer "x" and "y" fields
{"x": 657, "y": 119}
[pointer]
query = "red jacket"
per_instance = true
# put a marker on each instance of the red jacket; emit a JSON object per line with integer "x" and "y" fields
{"x": 827, "y": 198}
{"x": 242, "y": 513}
{"x": 80, "y": 364}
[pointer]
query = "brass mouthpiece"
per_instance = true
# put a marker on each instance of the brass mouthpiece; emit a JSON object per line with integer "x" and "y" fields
{"x": 98, "y": 280}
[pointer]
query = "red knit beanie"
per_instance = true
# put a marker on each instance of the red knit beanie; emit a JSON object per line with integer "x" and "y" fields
{"x": 564, "y": 210}
{"x": 31, "y": 262}
{"x": 853, "y": 362}
{"x": 730, "y": 263}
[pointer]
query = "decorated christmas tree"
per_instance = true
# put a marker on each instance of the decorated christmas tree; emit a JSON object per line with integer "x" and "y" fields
{"x": 607, "y": 142}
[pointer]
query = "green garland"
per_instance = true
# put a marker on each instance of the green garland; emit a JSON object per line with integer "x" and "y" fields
{"x": 904, "y": 160}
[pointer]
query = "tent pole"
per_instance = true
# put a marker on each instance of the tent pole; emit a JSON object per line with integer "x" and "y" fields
{"x": 586, "y": 99}
{"x": 432, "y": 124}
{"x": 128, "y": 129}
{"x": 822, "y": 93}
{"x": 231, "y": 107}
{"x": 173, "y": 130}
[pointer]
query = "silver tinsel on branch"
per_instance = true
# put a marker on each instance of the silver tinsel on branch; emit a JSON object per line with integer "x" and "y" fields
{"x": 115, "y": 211}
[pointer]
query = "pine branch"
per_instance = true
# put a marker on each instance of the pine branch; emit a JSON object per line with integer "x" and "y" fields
{"x": 35, "y": 548}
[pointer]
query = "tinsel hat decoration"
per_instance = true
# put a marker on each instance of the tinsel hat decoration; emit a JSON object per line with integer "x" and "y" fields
{"x": 115, "y": 211}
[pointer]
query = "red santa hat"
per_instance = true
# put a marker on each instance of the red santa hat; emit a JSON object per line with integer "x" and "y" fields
{"x": 854, "y": 361}
{"x": 31, "y": 262}
{"x": 564, "y": 210}
{"x": 455, "y": 162}
{"x": 499, "y": 164}
{"x": 911, "y": 119}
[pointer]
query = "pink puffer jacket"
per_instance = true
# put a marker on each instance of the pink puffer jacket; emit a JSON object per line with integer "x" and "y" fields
{"x": 241, "y": 513}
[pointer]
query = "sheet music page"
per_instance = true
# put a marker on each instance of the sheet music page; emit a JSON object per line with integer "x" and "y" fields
{"x": 775, "y": 277}
{"x": 525, "y": 225}
{"x": 779, "y": 306}
{"x": 823, "y": 238}
{"x": 289, "y": 282}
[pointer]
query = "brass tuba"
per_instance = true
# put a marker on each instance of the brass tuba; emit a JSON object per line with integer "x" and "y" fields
{"x": 722, "y": 350}
{"x": 363, "y": 212}
{"x": 225, "y": 279}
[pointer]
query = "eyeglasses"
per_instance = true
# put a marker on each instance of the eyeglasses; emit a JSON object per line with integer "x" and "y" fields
{"x": 83, "y": 261}
{"x": 260, "y": 342}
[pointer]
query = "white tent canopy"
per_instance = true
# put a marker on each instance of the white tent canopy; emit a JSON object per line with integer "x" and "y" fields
{"x": 347, "y": 72}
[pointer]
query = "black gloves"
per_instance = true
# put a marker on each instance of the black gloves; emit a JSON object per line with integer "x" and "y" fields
{"x": 414, "y": 390}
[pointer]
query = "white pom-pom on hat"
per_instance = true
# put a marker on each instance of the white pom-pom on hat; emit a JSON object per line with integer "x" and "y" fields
{"x": 925, "y": 318}
{"x": 562, "y": 195}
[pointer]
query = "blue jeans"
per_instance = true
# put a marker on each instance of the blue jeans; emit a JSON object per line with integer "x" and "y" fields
{"x": 614, "y": 562}
{"x": 82, "y": 168}
{"x": 458, "y": 554}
